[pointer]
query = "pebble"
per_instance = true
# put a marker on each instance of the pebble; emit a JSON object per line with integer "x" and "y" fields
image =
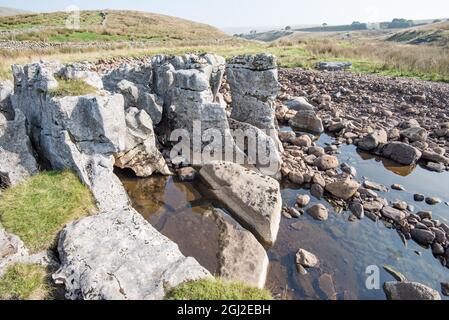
{"x": 433, "y": 201}
{"x": 418, "y": 197}
{"x": 397, "y": 187}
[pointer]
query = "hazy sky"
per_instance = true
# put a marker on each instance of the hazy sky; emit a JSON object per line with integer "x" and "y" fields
{"x": 248, "y": 13}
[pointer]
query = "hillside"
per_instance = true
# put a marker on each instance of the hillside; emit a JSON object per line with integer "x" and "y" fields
{"x": 4, "y": 11}
{"x": 110, "y": 25}
{"x": 434, "y": 33}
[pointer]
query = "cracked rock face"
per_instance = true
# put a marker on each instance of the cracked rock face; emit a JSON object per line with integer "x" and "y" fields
{"x": 254, "y": 87}
{"x": 241, "y": 257}
{"x": 118, "y": 255}
{"x": 251, "y": 197}
{"x": 142, "y": 154}
{"x": 17, "y": 160}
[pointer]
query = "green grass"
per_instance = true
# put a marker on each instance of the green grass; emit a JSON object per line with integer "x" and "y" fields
{"x": 25, "y": 282}
{"x": 217, "y": 290}
{"x": 38, "y": 208}
{"x": 71, "y": 88}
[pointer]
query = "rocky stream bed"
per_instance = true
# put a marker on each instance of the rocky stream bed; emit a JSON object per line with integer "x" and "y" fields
{"x": 356, "y": 177}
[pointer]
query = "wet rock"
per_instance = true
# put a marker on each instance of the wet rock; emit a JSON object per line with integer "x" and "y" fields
{"x": 433, "y": 201}
{"x": 307, "y": 121}
{"x": 437, "y": 249}
{"x": 317, "y": 191}
{"x": 418, "y": 197}
{"x": 374, "y": 186}
{"x": 357, "y": 209}
{"x": 397, "y": 187}
{"x": 241, "y": 257}
{"x": 343, "y": 189}
{"x": 187, "y": 174}
{"x": 326, "y": 162}
{"x": 318, "y": 212}
{"x": 422, "y": 236}
{"x": 326, "y": 285}
{"x": 400, "y": 205}
{"x": 306, "y": 259}
{"x": 302, "y": 200}
{"x": 251, "y": 197}
{"x": 373, "y": 140}
{"x": 299, "y": 104}
{"x": 393, "y": 214}
{"x": 348, "y": 169}
{"x": 118, "y": 255}
{"x": 436, "y": 167}
{"x": 445, "y": 288}
{"x": 409, "y": 291}
{"x": 396, "y": 274}
{"x": 401, "y": 153}
{"x": 415, "y": 134}
{"x": 435, "y": 157}
{"x": 425, "y": 214}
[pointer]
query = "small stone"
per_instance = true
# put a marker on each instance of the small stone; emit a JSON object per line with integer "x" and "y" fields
{"x": 348, "y": 169}
{"x": 425, "y": 214}
{"x": 396, "y": 274}
{"x": 445, "y": 289}
{"x": 397, "y": 187}
{"x": 317, "y": 191}
{"x": 400, "y": 205}
{"x": 343, "y": 189}
{"x": 318, "y": 212}
{"x": 433, "y": 201}
{"x": 418, "y": 197}
{"x": 295, "y": 213}
{"x": 393, "y": 214}
{"x": 422, "y": 236}
{"x": 375, "y": 186}
{"x": 302, "y": 200}
{"x": 296, "y": 177}
{"x": 326, "y": 162}
{"x": 357, "y": 210}
{"x": 306, "y": 259}
{"x": 437, "y": 249}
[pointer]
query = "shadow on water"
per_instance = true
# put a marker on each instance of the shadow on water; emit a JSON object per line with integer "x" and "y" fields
{"x": 345, "y": 249}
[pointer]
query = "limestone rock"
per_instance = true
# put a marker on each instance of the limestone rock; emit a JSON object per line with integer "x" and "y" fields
{"x": 118, "y": 255}
{"x": 318, "y": 212}
{"x": 373, "y": 140}
{"x": 343, "y": 189}
{"x": 307, "y": 121}
{"x": 401, "y": 153}
{"x": 326, "y": 162}
{"x": 409, "y": 291}
{"x": 306, "y": 259}
{"x": 299, "y": 104}
{"x": 241, "y": 257}
{"x": 17, "y": 160}
{"x": 141, "y": 153}
{"x": 251, "y": 197}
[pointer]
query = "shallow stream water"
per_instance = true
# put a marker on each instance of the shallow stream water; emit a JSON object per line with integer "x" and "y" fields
{"x": 345, "y": 249}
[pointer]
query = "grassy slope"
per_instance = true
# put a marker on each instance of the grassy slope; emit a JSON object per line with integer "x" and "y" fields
{"x": 435, "y": 33}
{"x": 38, "y": 208}
{"x": 119, "y": 26}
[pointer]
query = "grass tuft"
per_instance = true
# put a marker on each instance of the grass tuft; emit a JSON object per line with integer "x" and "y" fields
{"x": 38, "y": 208}
{"x": 70, "y": 87}
{"x": 207, "y": 289}
{"x": 25, "y": 282}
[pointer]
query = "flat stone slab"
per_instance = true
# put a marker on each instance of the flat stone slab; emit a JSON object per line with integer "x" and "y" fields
{"x": 333, "y": 66}
{"x": 118, "y": 255}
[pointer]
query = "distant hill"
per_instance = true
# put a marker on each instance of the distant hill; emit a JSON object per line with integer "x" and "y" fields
{"x": 435, "y": 33}
{"x": 107, "y": 25}
{"x": 4, "y": 11}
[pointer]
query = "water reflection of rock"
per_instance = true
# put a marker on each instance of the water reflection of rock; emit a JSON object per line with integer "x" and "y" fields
{"x": 388, "y": 164}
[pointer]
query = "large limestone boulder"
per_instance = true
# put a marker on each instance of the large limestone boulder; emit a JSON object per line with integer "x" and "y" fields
{"x": 402, "y": 153}
{"x": 241, "y": 257}
{"x": 141, "y": 153}
{"x": 252, "y": 198}
{"x": 118, "y": 255}
{"x": 409, "y": 291}
{"x": 253, "y": 80}
{"x": 17, "y": 160}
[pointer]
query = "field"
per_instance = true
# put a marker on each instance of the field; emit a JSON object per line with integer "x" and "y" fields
{"x": 157, "y": 34}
